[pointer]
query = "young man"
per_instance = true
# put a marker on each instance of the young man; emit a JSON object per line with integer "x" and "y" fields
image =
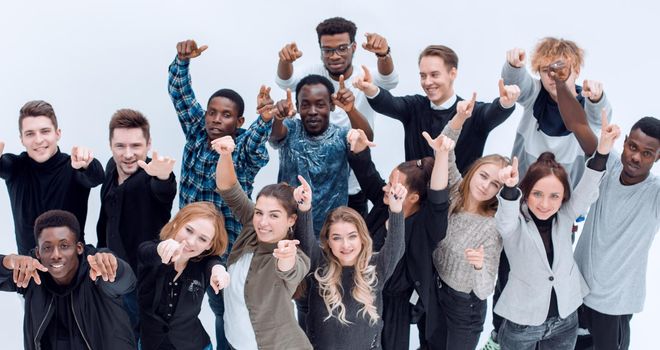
{"x": 613, "y": 249}
{"x": 136, "y": 196}
{"x": 224, "y": 116}
{"x": 312, "y": 146}
{"x": 42, "y": 177}
{"x": 336, "y": 38}
{"x": 438, "y": 68}
{"x": 72, "y": 292}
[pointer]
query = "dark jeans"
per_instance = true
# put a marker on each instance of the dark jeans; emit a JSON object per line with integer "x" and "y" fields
{"x": 554, "y": 334}
{"x": 461, "y": 320}
{"x": 502, "y": 277}
{"x": 217, "y": 304}
{"x": 608, "y": 332}
{"x": 130, "y": 304}
{"x": 358, "y": 202}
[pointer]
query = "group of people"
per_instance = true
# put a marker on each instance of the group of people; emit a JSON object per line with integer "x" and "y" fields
{"x": 447, "y": 228}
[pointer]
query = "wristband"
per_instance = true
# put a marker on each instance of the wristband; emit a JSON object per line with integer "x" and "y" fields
{"x": 383, "y": 55}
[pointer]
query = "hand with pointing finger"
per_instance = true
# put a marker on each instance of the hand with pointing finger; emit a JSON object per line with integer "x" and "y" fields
{"x": 303, "y": 195}
{"x": 375, "y": 43}
{"x": 396, "y": 195}
{"x": 285, "y": 253}
{"x": 559, "y": 70}
{"x": 188, "y": 49}
{"x": 508, "y": 94}
{"x": 24, "y": 268}
{"x": 440, "y": 144}
{"x": 358, "y": 140}
{"x": 219, "y": 278}
{"x": 290, "y": 53}
{"x": 102, "y": 265}
{"x": 344, "y": 97}
{"x": 285, "y": 108}
{"x": 160, "y": 167}
{"x": 464, "y": 108}
{"x": 608, "y": 134}
{"x": 224, "y": 145}
{"x": 516, "y": 57}
{"x": 170, "y": 250}
{"x": 509, "y": 175}
{"x": 2, "y": 147}
{"x": 593, "y": 90}
{"x": 475, "y": 257}
{"x": 265, "y": 104}
{"x": 365, "y": 83}
{"x": 81, "y": 157}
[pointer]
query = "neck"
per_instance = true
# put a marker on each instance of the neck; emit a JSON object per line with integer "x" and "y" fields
{"x": 346, "y": 74}
{"x": 121, "y": 177}
{"x": 471, "y": 206}
{"x": 629, "y": 181}
{"x": 409, "y": 210}
{"x": 444, "y": 99}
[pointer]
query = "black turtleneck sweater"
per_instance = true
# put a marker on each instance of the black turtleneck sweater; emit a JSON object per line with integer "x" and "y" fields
{"x": 35, "y": 188}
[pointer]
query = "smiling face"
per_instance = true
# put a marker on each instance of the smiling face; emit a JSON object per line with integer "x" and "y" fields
{"x": 484, "y": 184}
{"x": 546, "y": 197}
{"x": 198, "y": 234}
{"x": 58, "y": 251}
{"x": 337, "y": 54}
{"x": 222, "y": 118}
{"x": 128, "y": 146}
{"x": 39, "y": 136}
{"x": 640, "y": 152}
{"x": 270, "y": 220}
{"x": 314, "y": 106}
{"x": 344, "y": 242}
{"x": 436, "y": 78}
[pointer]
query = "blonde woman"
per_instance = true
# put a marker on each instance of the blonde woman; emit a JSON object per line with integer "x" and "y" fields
{"x": 345, "y": 290}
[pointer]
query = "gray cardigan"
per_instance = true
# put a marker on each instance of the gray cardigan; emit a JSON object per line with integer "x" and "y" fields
{"x": 526, "y": 297}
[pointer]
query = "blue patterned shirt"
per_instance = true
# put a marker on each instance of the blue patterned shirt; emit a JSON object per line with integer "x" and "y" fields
{"x": 200, "y": 160}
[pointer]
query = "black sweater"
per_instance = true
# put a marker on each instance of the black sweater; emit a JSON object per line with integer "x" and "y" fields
{"x": 35, "y": 188}
{"x": 133, "y": 212}
{"x": 416, "y": 115}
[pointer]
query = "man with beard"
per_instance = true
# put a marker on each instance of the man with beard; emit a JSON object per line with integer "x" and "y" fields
{"x": 136, "y": 196}
{"x": 336, "y": 38}
{"x": 72, "y": 292}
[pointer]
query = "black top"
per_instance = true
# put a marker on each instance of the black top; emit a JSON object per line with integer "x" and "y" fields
{"x": 35, "y": 188}
{"x": 423, "y": 231}
{"x": 133, "y": 212}
{"x": 177, "y": 326}
{"x": 416, "y": 115}
{"x": 85, "y": 312}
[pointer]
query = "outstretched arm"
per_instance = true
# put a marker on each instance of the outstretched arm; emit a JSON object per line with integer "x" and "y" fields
{"x": 189, "y": 111}
{"x": 345, "y": 100}
{"x": 377, "y": 44}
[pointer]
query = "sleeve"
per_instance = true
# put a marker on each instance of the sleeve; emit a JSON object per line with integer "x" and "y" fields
{"x": 6, "y": 165}
{"x": 593, "y": 110}
{"x": 507, "y": 217}
{"x": 519, "y": 76}
{"x": 163, "y": 190}
{"x": 211, "y": 261}
{"x": 393, "y": 107}
{"x": 125, "y": 281}
{"x": 585, "y": 193}
{"x": 101, "y": 233}
{"x": 293, "y": 277}
{"x": 484, "y": 279}
{"x": 292, "y": 127}
{"x": 393, "y": 249}
{"x": 90, "y": 177}
{"x": 454, "y": 175}
{"x": 367, "y": 175}
{"x": 487, "y": 116}
{"x": 6, "y": 278}
{"x": 304, "y": 232}
{"x": 388, "y": 82}
{"x": 238, "y": 202}
{"x": 252, "y": 154}
{"x": 298, "y": 74}
{"x": 190, "y": 112}
{"x": 433, "y": 217}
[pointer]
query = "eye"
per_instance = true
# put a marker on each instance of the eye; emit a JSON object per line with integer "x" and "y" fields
{"x": 64, "y": 246}
{"x": 275, "y": 216}
{"x": 258, "y": 213}
{"x": 537, "y": 194}
{"x": 45, "y": 249}
{"x": 435, "y": 75}
{"x": 554, "y": 196}
{"x": 204, "y": 240}
{"x": 189, "y": 230}
{"x": 483, "y": 176}
{"x": 633, "y": 147}
{"x": 647, "y": 154}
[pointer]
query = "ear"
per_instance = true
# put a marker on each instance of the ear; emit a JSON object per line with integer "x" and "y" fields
{"x": 353, "y": 46}
{"x": 453, "y": 73}
{"x": 36, "y": 252}
{"x": 148, "y": 145}
{"x": 79, "y": 248}
{"x": 239, "y": 121}
{"x": 412, "y": 197}
{"x": 58, "y": 132}
{"x": 291, "y": 220}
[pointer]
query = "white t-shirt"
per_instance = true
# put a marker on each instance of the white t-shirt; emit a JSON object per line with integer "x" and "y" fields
{"x": 238, "y": 327}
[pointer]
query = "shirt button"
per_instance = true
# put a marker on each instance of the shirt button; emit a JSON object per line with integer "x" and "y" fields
{"x": 417, "y": 283}
{"x": 551, "y": 278}
{"x": 170, "y": 305}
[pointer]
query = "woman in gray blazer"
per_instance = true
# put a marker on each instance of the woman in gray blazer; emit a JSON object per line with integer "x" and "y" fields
{"x": 535, "y": 219}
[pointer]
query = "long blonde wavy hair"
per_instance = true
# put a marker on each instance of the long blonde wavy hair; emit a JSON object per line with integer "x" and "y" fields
{"x": 364, "y": 278}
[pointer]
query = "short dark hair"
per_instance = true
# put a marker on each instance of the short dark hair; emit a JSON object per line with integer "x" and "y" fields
{"x": 649, "y": 126}
{"x": 336, "y": 25}
{"x": 283, "y": 192}
{"x": 129, "y": 119}
{"x": 544, "y": 166}
{"x": 56, "y": 218}
{"x": 314, "y": 79}
{"x": 233, "y": 96}
{"x": 37, "y": 108}
{"x": 447, "y": 55}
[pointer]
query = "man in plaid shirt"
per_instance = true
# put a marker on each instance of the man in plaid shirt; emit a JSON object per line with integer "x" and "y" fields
{"x": 224, "y": 116}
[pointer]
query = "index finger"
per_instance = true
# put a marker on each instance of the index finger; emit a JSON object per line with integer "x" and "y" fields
{"x": 585, "y": 85}
{"x": 154, "y": 155}
{"x": 500, "y": 85}
{"x": 473, "y": 99}
{"x": 514, "y": 164}
{"x": 396, "y": 178}
{"x": 367, "y": 74}
{"x": 303, "y": 182}
{"x": 202, "y": 48}
{"x": 288, "y": 96}
{"x": 428, "y": 137}
{"x": 341, "y": 82}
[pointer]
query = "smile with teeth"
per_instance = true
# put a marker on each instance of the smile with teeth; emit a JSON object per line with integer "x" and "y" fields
{"x": 56, "y": 266}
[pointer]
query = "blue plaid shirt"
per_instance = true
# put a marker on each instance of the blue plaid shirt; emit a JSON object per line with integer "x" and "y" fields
{"x": 200, "y": 160}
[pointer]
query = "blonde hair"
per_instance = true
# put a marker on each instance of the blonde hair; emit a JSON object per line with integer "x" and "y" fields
{"x": 488, "y": 207}
{"x": 364, "y": 278}
{"x": 551, "y": 49}
{"x": 192, "y": 211}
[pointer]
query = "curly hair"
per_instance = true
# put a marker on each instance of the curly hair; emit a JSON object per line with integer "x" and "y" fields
{"x": 336, "y": 25}
{"x": 550, "y": 49}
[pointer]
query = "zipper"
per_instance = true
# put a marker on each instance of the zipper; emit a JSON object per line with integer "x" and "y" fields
{"x": 37, "y": 345}
{"x": 77, "y": 324}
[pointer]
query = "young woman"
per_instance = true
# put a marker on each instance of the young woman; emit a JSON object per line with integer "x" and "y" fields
{"x": 425, "y": 212}
{"x": 264, "y": 265}
{"x": 535, "y": 219}
{"x": 173, "y": 275}
{"x": 466, "y": 260}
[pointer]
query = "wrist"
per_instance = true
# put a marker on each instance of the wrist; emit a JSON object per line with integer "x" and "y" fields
{"x": 384, "y": 55}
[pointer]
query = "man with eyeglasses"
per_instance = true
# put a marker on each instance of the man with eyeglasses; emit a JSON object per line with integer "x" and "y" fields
{"x": 337, "y": 41}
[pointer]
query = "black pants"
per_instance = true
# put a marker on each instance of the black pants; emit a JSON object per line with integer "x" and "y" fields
{"x": 608, "y": 332}
{"x": 502, "y": 278}
{"x": 461, "y": 320}
{"x": 358, "y": 202}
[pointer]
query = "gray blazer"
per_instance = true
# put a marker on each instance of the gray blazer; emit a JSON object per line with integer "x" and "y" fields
{"x": 526, "y": 297}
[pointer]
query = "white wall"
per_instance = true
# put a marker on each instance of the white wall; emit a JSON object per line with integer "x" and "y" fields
{"x": 91, "y": 58}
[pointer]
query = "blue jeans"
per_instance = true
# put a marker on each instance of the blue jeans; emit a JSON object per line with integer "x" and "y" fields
{"x": 217, "y": 304}
{"x": 130, "y": 304}
{"x": 461, "y": 321}
{"x": 555, "y": 333}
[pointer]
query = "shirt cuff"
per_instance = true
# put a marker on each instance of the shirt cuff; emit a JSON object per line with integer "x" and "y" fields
{"x": 374, "y": 96}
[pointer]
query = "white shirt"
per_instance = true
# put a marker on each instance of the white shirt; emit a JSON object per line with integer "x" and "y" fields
{"x": 238, "y": 327}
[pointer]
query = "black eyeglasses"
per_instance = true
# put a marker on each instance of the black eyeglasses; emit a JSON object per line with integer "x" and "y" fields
{"x": 340, "y": 50}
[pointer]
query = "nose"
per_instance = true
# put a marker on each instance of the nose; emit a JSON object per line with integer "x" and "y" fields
{"x": 129, "y": 152}
{"x": 38, "y": 138}
{"x": 56, "y": 255}
{"x": 312, "y": 110}
{"x": 636, "y": 157}
{"x": 263, "y": 221}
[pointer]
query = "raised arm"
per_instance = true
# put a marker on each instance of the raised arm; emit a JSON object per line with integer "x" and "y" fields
{"x": 345, "y": 100}
{"x": 394, "y": 247}
{"x": 227, "y": 182}
{"x": 507, "y": 217}
{"x": 162, "y": 182}
{"x": 359, "y": 158}
{"x": 288, "y": 54}
{"x": 487, "y": 116}
{"x": 188, "y": 110}
{"x": 304, "y": 228}
{"x": 377, "y": 44}
{"x": 452, "y": 130}
{"x": 381, "y": 100}
{"x": 89, "y": 171}
{"x": 514, "y": 73}
{"x": 284, "y": 109}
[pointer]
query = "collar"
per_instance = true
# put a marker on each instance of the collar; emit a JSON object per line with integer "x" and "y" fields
{"x": 450, "y": 102}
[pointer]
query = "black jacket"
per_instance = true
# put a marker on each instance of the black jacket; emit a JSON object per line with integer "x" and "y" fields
{"x": 97, "y": 307}
{"x": 183, "y": 330}
{"x": 133, "y": 212}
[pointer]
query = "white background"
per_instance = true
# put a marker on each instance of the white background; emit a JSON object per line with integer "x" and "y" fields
{"x": 90, "y": 58}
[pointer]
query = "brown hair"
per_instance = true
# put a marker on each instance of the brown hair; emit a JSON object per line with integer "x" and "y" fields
{"x": 37, "y": 108}
{"x": 551, "y": 49}
{"x": 545, "y": 165}
{"x": 445, "y": 53}
{"x": 488, "y": 207}
{"x": 284, "y": 195}
{"x": 418, "y": 174}
{"x": 129, "y": 119}
{"x": 206, "y": 210}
